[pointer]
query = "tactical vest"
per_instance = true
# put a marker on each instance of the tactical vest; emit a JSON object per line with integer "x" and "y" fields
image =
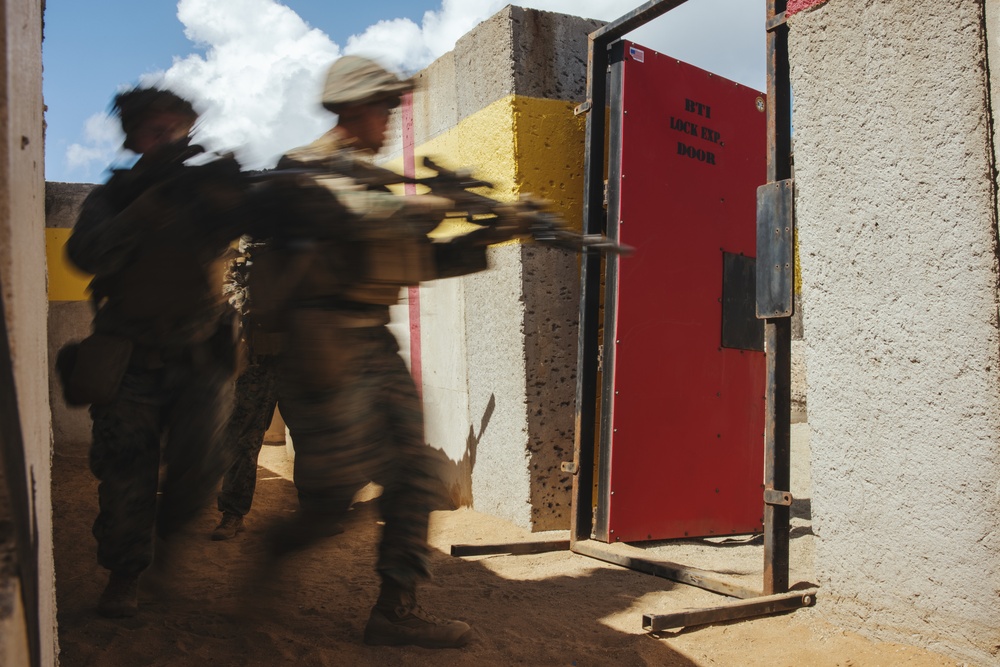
{"x": 168, "y": 283}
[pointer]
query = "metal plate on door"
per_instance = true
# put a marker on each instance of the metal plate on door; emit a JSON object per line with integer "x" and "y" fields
{"x": 775, "y": 250}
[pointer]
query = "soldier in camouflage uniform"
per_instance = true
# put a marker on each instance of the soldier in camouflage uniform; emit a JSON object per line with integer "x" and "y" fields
{"x": 347, "y": 398}
{"x": 153, "y": 236}
{"x": 256, "y": 399}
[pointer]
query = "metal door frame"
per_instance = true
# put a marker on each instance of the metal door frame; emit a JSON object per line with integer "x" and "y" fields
{"x": 609, "y": 351}
{"x": 774, "y": 210}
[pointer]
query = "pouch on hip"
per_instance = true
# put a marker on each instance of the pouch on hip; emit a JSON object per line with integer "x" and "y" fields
{"x": 91, "y": 370}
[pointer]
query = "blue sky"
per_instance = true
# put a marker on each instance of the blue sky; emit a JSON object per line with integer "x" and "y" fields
{"x": 92, "y": 48}
{"x": 252, "y": 65}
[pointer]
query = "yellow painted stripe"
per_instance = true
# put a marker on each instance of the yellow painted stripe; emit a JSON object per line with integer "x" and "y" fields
{"x": 522, "y": 145}
{"x": 66, "y": 282}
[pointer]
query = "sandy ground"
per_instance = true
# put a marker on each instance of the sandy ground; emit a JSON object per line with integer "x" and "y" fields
{"x": 548, "y": 609}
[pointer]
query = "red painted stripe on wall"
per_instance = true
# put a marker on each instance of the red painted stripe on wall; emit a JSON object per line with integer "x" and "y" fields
{"x": 413, "y": 293}
{"x": 795, "y": 6}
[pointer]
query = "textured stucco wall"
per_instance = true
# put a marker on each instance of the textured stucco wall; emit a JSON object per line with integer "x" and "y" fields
{"x": 22, "y": 266}
{"x": 896, "y": 220}
{"x": 498, "y": 348}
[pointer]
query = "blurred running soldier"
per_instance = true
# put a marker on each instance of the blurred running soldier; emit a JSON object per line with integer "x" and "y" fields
{"x": 159, "y": 364}
{"x": 350, "y": 404}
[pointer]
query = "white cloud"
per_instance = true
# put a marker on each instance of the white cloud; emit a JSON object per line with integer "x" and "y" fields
{"x": 258, "y": 77}
{"x": 399, "y": 44}
{"x": 102, "y": 137}
{"x": 258, "y": 80}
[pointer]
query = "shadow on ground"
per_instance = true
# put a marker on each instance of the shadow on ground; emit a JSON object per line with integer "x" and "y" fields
{"x": 313, "y": 611}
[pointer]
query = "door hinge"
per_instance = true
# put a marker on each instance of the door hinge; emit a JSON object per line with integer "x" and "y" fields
{"x": 775, "y": 497}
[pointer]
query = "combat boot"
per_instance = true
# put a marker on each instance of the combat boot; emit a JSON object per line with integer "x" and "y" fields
{"x": 397, "y": 620}
{"x": 230, "y": 526}
{"x": 120, "y": 598}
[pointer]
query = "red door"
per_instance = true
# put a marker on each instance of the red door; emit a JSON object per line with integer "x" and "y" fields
{"x": 682, "y": 447}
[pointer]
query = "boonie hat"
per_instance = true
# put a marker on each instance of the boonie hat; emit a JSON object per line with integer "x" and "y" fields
{"x": 354, "y": 80}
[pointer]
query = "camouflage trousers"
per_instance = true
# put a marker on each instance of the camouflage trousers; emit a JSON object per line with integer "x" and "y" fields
{"x": 256, "y": 398}
{"x": 174, "y": 416}
{"x": 361, "y": 423}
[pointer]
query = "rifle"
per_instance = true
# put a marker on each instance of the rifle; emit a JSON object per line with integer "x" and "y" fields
{"x": 542, "y": 225}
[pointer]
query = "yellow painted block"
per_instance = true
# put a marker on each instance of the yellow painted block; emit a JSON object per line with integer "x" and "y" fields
{"x": 66, "y": 282}
{"x": 549, "y": 154}
{"x": 522, "y": 145}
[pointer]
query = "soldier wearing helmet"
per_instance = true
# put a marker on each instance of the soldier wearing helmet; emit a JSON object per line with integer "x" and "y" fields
{"x": 159, "y": 363}
{"x": 152, "y": 118}
{"x": 343, "y": 252}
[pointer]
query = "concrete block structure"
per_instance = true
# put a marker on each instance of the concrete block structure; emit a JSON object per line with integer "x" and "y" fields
{"x": 896, "y": 212}
{"x": 70, "y": 312}
{"x": 497, "y": 350}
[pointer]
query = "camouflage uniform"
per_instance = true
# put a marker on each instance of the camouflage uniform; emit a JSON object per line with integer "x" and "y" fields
{"x": 347, "y": 397}
{"x": 153, "y": 236}
{"x": 256, "y": 399}
{"x": 348, "y": 400}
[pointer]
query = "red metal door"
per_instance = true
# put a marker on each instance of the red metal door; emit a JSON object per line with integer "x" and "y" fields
{"x": 681, "y": 448}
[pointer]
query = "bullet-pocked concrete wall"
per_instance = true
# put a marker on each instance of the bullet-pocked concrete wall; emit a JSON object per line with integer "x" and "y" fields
{"x": 498, "y": 349}
{"x": 22, "y": 268}
{"x": 897, "y": 229}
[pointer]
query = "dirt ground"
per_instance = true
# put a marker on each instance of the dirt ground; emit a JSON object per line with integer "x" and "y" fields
{"x": 548, "y": 609}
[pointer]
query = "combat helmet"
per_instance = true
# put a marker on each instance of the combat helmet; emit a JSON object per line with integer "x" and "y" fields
{"x": 354, "y": 80}
{"x": 134, "y": 105}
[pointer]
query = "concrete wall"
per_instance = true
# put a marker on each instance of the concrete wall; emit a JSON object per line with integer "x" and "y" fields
{"x": 70, "y": 316}
{"x": 70, "y": 313}
{"x": 499, "y": 348}
{"x": 896, "y": 214}
{"x": 22, "y": 268}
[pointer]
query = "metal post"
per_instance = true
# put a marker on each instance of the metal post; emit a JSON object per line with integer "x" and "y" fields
{"x": 636, "y": 18}
{"x": 581, "y": 519}
{"x": 777, "y": 331}
{"x": 759, "y": 606}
